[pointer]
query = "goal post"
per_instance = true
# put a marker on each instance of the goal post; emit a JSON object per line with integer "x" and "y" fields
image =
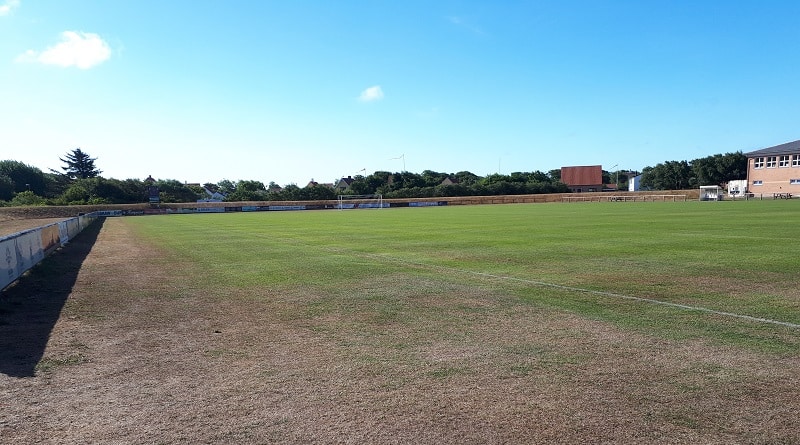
{"x": 361, "y": 202}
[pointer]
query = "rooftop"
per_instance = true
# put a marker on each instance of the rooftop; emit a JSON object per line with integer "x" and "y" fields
{"x": 782, "y": 149}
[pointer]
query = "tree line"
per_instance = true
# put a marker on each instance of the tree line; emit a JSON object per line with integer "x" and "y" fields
{"x": 80, "y": 182}
{"x": 680, "y": 175}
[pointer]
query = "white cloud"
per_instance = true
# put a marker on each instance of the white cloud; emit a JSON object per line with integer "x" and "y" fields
{"x": 80, "y": 49}
{"x": 6, "y": 7}
{"x": 371, "y": 94}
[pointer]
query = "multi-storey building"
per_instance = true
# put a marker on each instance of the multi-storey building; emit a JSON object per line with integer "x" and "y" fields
{"x": 774, "y": 169}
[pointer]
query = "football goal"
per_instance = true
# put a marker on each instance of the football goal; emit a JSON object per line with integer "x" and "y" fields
{"x": 361, "y": 202}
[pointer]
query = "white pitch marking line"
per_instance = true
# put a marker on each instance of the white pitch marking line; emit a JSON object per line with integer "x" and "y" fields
{"x": 596, "y": 292}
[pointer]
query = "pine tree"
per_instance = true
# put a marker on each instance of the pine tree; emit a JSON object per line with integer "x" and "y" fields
{"x": 79, "y": 165}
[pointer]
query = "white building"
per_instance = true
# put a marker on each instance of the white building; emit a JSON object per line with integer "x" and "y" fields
{"x": 634, "y": 183}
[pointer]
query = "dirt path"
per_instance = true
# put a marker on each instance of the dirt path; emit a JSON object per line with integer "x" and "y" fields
{"x": 122, "y": 349}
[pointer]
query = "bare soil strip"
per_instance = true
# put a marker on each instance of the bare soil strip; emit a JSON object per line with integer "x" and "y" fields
{"x": 139, "y": 355}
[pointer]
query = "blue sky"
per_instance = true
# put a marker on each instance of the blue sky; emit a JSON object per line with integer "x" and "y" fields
{"x": 291, "y": 90}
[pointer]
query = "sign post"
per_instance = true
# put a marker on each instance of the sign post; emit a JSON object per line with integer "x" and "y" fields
{"x": 152, "y": 192}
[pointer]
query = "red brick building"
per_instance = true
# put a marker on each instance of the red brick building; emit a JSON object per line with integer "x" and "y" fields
{"x": 584, "y": 178}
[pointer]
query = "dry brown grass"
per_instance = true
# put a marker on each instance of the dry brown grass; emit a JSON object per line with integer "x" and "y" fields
{"x": 138, "y": 356}
{"x": 9, "y": 226}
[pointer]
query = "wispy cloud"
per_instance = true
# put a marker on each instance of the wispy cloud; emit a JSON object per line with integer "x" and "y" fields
{"x": 8, "y": 6}
{"x": 79, "y": 49}
{"x": 466, "y": 24}
{"x": 371, "y": 94}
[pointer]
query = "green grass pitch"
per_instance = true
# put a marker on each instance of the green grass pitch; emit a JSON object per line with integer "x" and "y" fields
{"x": 613, "y": 262}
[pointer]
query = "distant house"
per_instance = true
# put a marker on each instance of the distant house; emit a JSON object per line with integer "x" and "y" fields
{"x": 450, "y": 181}
{"x": 635, "y": 183}
{"x": 314, "y": 183}
{"x": 212, "y": 196}
{"x": 343, "y": 184}
{"x": 774, "y": 169}
{"x": 584, "y": 178}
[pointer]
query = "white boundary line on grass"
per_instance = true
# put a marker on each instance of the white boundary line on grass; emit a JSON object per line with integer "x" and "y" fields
{"x": 596, "y": 292}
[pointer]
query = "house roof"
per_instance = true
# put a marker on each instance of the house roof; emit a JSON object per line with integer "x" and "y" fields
{"x": 582, "y": 175}
{"x": 344, "y": 183}
{"x": 782, "y": 149}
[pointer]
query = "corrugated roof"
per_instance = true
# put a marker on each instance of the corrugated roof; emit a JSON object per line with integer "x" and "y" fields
{"x": 782, "y": 149}
{"x": 582, "y": 175}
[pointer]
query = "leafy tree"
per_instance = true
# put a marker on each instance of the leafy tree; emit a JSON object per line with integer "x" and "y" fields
{"x": 248, "y": 191}
{"x": 495, "y": 178}
{"x": 17, "y": 177}
{"x": 103, "y": 191}
{"x": 518, "y": 177}
{"x": 290, "y": 193}
{"x": 318, "y": 193}
{"x": 171, "y": 190}
{"x": 466, "y": 178}
{"x": 359, "y": 186}
{"x": 719, "y": 168}
{"x": 538, "y": 176}
{"x": 79, "y": 165}
{"x": 406, "y": 180}
{"x": 6, "y": 188}
{"x": 251, "y": 186}
{"x": 226, "y": 186}
{"x": 133, "y": 190}
{"x": 28, "y": 198}
{"x": 432, "y": 178}
{"x": 670, "y": 175}
{"x": 452, "y": 190}
{"x": 79, "y": 192}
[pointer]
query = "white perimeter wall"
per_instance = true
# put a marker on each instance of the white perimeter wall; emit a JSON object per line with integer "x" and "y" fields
{"x": 23, "y": 250}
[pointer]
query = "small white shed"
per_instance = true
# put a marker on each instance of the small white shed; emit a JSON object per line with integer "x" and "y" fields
{"x": 711, "y": 193}
{"x": 737, "y": 187}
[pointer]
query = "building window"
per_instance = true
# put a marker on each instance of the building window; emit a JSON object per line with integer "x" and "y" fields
{"x": 795, "y": 160}
{"x": 772, "y": 161}
{"x": 758, "y": 163}
{"x": 783, "y": 161}
{"x": 794, "y": 181}
{"x": 758, "y": 182}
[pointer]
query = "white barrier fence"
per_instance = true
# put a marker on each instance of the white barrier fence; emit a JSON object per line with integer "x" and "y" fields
{"x": 22, "y": 250}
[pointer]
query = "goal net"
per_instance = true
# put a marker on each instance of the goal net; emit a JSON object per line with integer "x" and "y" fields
{"x": 361, "y": 202}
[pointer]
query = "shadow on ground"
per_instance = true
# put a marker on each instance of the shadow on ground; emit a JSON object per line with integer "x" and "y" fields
{"x": 30, "y": 308}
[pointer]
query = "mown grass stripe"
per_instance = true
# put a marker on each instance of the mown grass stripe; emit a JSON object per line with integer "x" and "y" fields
{"x": 577, "y": 289}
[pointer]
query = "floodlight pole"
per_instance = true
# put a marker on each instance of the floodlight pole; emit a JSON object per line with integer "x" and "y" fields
{"x": 615, "y": 165}
{"x": 403, "y": 157}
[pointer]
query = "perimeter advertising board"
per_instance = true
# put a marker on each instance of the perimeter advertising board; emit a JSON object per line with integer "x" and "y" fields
{"x": 20, "y": 252}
